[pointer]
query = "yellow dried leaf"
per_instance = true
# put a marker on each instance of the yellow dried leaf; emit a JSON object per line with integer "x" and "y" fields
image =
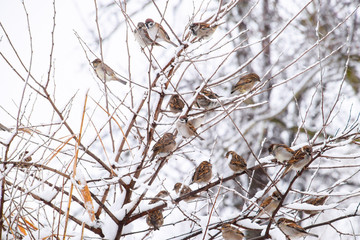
{"x": 22, "y": 230}
{"x": 30, "y": 224}
{"x": 88, "y": 201}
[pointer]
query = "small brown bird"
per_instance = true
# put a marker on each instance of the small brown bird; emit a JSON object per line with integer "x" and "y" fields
{"x": 203, "y": 173}
{"x": 299, "y": 160}
{"x": 176, "y": 105}
{"x": 157, "y": 32}
{"x": 237, "y": 163}
{"x": 231, "y": 233}
{"x": 245, "y": 83}
{"x": 281, "y": 152}
{"x": 186, "y": 128}
{"x": 155, "y": 219}
{"x": 182, "y": 190}
{"x": 158, "y": 197}
{"x": 269, "y": 205}
{"x": 292, "y": 230}
{"x": 316, "y": 201}
{"x": 197, "y": 121}
{"x": 202, "y": 30}
{"x": 164, "y": 145}
{"x": 104, "y": 72}
{"x": 207, "y": 99}
{"x": 25, "y": 157}
{"x": 142, "y": 36}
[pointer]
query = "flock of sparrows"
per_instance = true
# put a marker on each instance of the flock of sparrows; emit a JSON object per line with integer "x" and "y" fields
{"x": 150, "y": 34}
{"x": 292, "y": 160}
{"x": 207, "y": 100}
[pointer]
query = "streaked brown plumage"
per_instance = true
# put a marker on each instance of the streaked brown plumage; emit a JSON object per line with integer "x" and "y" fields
{"x": 104, "y": 72}
{"x": 158, "y": 197}
{"x": 157, "y": 32}
{"x": 245, "y": 83}
{"x": 23, "y": 156}
{"x": 292, "y": 230}
{"x": 202, "y": 30}
{"x": 155, "y": 219}
{"x": 316, "y": 201}
{"x": 203, "y": 173}
{"x": 207, "y": 99}
{"x": 231, "y": 233}
{"x": 186, "y": 128}
{"x": 176, "y": 105}
{"x": 269, "y": 205}
{"x": 164, "y": 145}
{"x": 182, "y": 190}
{"x": 142, "y": 36}
{"x": 299, "y": 160}
{"x": 281, "y": 152}
{"x": 237, "y": 163}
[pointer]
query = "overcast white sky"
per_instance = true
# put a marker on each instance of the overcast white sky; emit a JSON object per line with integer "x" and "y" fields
{"x": 72, "y": 72}
{"x": 68, "y": 58}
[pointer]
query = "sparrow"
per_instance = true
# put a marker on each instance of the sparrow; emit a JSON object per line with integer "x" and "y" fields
{"x": 186, "y": 128}
{"x": 281, "y": 152}
{"x": 157, "y": 32}
{"x": 155, "y": 219}
{"x": 245, "y": 83}
{"x": 197, "y": 121}
{"x": 299, "y": 160}
{"x": 22, "y": 156}
{"x": 207, "y": 99}
{"x": 182, "y": 189}
{"x": 142, "y": 36}
{"x": 231, "y": 233}
{"x": 237, "y": 163}
{"x": 104, "y": 72}
{"x": 203, "y": 173}
{"x": 292, "y": 230}
{"x": 176, "y": 105}
{"x": 269, "y": 205}
{"x": 159, "y": 196}
{"x": 202, "y": 30}
{"x": 164, "y": 145}
{"x": 316, "y": 201}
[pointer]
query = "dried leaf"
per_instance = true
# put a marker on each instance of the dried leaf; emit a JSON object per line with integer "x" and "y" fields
{"x": 88, "y": 201}
{"x": 30, "y": 224}
{"x": 22, "y": 230}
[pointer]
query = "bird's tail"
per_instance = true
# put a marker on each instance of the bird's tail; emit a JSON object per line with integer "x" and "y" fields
{"x": 248, "y": 172}
{"x": 201, "y": 138}
{"x": 312, "y": 234}
{"x": 287, "y": 169}
{"x": 152, "y": 156}
{"x": 173, "y": 44}
{"x": 158, "y": 44}
{"x": 257, "y": 215}
{"x": 120, "y": 80}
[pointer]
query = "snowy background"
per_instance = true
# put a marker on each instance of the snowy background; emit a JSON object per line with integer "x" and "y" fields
{"x": 56, "y": 110}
